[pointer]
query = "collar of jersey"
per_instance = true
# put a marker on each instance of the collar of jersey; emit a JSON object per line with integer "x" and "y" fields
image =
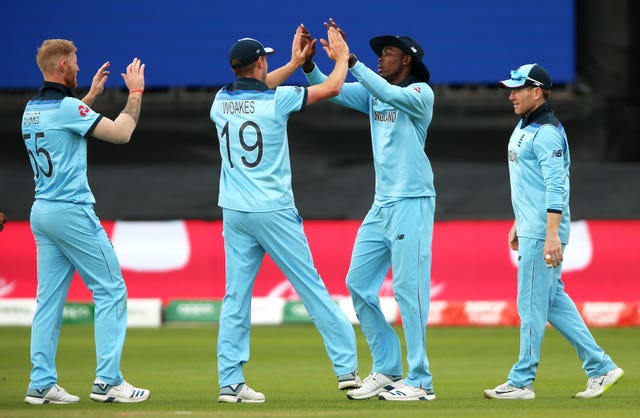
{"x": 409, "y": 80}
{"x": 49, "y": 87}
{"x": 247, "y": 84}
{"x": 536, "y": 115}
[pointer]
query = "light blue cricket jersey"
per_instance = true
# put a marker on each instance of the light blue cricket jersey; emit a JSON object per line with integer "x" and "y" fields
{"x": 54, "y": 125}
{"x": 251, "y": 121}
{"x": 539, "y": 164}
{"x": 399, "y": 116}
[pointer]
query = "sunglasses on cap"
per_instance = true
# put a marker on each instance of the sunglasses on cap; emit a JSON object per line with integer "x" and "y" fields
{"x": 518, "y": 76}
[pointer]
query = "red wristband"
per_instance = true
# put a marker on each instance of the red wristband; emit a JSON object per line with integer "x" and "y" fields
{"x": 136, "y": 91}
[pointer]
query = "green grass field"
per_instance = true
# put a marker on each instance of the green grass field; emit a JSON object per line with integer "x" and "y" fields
{"x": 288, "y": 364}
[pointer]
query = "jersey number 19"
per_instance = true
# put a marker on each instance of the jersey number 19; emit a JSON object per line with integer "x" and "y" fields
{"x": 249, "y": 148}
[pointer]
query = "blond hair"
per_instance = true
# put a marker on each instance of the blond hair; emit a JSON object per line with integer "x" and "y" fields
{"x": 51, "y": 51}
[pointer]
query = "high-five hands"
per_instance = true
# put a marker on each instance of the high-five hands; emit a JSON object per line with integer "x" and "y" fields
{"x": 336, "y": 47}
{"x": 332, "y": 23}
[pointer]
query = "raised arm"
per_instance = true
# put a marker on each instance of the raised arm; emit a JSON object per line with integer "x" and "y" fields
{"x": 338, "y": 50}
{"x": 298, "y": 54}
{"x": 119, "y": 131}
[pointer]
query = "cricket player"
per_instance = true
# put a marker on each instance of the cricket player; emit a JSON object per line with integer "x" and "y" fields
{"x": 539, "y": 162}
{"x": 258, "y": 208}
{"x": 68, "y": 234}
{"x": 398, "y": 229}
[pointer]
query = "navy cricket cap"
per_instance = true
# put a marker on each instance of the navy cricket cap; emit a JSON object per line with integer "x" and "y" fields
{"x": 408, "y": 46}
{"x": 246, "y": 51}
{"x": 528, "y": 75}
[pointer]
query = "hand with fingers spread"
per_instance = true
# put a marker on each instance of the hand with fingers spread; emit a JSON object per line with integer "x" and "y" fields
{"x": 299, "y": 47}
{"x": 97, "y": 84}
{"x": 336, "y": 47}
{"x": 305, "y": 34}
{"x": 332, "y": 23}
{"x": 310, "y": 48}
{"x": 134, "y": 77}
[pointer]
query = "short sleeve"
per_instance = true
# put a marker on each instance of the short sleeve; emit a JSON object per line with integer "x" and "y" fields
{"x": 77, "y": 116}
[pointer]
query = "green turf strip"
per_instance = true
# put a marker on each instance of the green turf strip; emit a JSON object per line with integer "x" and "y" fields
{"x": 288, "y": 364}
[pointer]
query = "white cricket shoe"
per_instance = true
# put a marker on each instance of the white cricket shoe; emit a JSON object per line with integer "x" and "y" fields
{"x": 507, "y": 391}
{"x": 240, "y": 393}
{"x": 349, "y": 381}
{"x": 123, "y": 393}
{"x": 596, "y": 386}
{"x": 55, "y": 394}
{"x": 403, "y": 392}
{"x": 372, "y": 385}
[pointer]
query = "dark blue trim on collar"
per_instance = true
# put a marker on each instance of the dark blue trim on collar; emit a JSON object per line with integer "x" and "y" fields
{"x": 542, "y": 116}
{"x": 247, "y": 84}
{"x": 51, "y": 90}
{"x": 409, "y": 80}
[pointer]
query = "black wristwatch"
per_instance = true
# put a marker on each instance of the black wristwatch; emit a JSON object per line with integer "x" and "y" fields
{"x": 352, "y": 60}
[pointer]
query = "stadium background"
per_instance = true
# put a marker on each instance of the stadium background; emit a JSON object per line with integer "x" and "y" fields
{"x": 591, "y": 51}
{"x": 170, "y": 169}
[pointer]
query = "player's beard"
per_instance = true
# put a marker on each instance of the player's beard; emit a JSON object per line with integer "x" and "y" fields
{"x": 70, "y": 80}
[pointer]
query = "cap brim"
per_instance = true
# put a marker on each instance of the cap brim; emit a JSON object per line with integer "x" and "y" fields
{"x": 379, "y": 42}
{"x": 511, "y": 84}
{"x": 268, "y": 50}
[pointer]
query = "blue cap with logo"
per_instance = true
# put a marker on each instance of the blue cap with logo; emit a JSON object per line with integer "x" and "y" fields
{"x": 528, "y": 75}
{"x": 245, "y": 51}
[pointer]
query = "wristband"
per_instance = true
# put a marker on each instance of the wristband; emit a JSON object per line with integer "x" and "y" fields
{"x": 352, "y": 60}
{"x": 136, "y": 91}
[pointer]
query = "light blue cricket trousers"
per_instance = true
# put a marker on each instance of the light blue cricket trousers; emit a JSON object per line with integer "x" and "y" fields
{"x": 397, "y": 236}
{"x": 247, "y": 236}
{"x": 69, "y": 237}
{"x": 541, "y": 298}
